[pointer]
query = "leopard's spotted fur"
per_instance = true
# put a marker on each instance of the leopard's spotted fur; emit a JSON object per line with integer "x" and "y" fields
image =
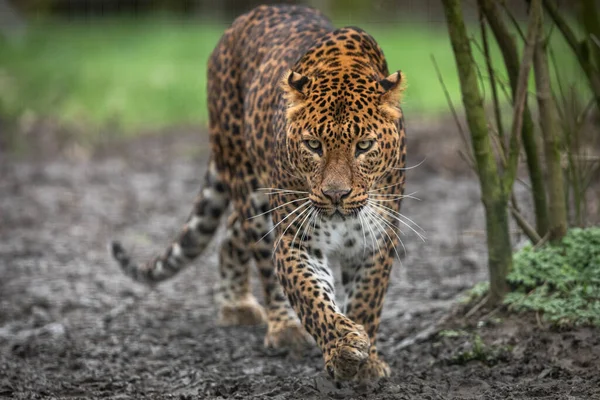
{"x": 308, "y": 144}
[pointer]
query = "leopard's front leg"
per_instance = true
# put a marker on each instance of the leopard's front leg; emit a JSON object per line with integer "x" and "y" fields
{"x": 366, "y": 278}
{"x": 365, "y": 283}
{"x": 308, "y": 282}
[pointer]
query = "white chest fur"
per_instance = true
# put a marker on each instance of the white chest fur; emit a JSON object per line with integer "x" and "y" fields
{"x": 342, "y": 238}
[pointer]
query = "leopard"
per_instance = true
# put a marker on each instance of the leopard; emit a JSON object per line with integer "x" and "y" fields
{"x": 307, "y": 162}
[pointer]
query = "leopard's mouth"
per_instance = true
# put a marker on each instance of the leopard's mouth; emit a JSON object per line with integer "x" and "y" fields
{"x": 337, "y": 213}
{"x": 341, "y": 213}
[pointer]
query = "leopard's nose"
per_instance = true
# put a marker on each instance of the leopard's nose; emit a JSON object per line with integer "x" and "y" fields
{"x": 336, "y": 195}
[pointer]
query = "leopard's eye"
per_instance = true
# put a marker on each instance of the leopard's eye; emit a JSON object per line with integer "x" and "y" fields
{"x": 313, "y": 144}
{"x": 363, "y": 146}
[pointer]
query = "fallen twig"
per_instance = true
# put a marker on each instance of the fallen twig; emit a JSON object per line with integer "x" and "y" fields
{"x": 433, "y": 329}
{"x": 477, "y": 306}
{"x": 423, "y": 335}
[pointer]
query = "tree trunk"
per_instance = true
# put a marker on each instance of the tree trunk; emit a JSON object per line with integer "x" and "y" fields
{"x": 550, "y": 126}
{"x": 493, "y": 196}
{"x": 508, "y": 47}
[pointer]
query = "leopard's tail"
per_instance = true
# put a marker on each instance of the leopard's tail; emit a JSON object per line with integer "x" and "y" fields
{"x": 194, "y": 236}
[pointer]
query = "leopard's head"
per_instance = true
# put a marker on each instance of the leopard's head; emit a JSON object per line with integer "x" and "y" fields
{"x": 343, "y": 135}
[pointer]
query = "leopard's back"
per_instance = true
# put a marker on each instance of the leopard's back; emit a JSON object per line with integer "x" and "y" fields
{"x": 244, "y": 72}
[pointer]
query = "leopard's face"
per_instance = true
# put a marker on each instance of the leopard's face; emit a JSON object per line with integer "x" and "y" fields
{"x": 343, "y": 137}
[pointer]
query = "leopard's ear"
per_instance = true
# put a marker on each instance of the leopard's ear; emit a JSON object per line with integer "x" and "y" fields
{"x": 294, "y": 87}
{"x": 393, "y": 86}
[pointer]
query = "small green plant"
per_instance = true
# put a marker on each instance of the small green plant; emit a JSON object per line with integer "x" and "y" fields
{"x": 476, "y": 350}
{"x": 476, "y": 293}
{"x": 560, "y": 281}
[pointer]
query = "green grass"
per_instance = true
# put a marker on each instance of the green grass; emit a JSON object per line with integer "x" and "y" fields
{"x": 143, "y": 74}
{"x": 146, "y": 74}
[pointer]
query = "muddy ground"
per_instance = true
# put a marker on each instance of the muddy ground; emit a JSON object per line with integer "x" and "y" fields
{"x": 71, "y": 326}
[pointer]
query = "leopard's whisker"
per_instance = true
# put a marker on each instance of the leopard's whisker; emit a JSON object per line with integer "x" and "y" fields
{"x": 392, "y": 169}
{"x": 374, "y": 238}
{"x": 412, "y": 167}
{"x": 288, "y": 227}
{"x": 283, "y": 219}
{"x": 396, "y": 215}
{"x": 399, "y": 196}
{"x": 381, "y": 177}
{"x": 367, "y": 223}
{"x": 373, "y": 216}
{"x": 362, "y": 226}
{"x": 382, "y": 230}
{"x": 307, "y": 228}
{"x": 387, "y": 187}
{"x": 300, "y": 227}
{"x": 289, "y": 173}
{"x": 279, "y": 206}
{"x": 390, "y": 200}
{"x": 317, "y": 221}
{"x": 280, "y": 191}
{"x": 396, "y": 198}
{"x": 394, "y": 212}
{"x": 393, "y": 229}
{"x": 310, "y": 217}
{"x": 391, "y": 195}
{"x": 314, "y": 221}
{"x": 396, "y": 169}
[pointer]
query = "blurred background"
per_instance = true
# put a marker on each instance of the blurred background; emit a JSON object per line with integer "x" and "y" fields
{"x": 99, "y": 69}
{"x": 103, "y": 135}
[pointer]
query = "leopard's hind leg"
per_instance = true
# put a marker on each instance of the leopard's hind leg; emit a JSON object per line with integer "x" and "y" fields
{"x": 284, "y": 327}
{"x": 237, "y": 304}
{"x": 230, "y": 122}
{"x": 250, "y": 236}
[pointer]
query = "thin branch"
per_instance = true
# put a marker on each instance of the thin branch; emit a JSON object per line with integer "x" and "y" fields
{"x": 595, "y": 40}
{"x": 547, "y": 114}
{"x": 508, "y": 47}
{"x": 490, "y": 69}
{"x": 521, "y": 95}
{"x": 501, "y": 80}
{"x": 561, "y": 91}
{"x": 476, "y": 307}
{"x": 513, "y": 19}
{"x": 542, "y": 242}
{"x": 467, "y": 161}
{"x": 583, "y": 55}
{"x": 501, "y": 150}
{"x": 463, "y": 135}
{"x": 527, "y": 229}
{"x": 480, "y": 76}
{"x": 568, "y": 34}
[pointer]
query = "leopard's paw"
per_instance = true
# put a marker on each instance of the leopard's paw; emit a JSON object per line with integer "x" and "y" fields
{"x": 348, "y": 355}
{"x": 288, "y": 335}
{"x": 373, "y": 369}
{"x": 245, "y": 311}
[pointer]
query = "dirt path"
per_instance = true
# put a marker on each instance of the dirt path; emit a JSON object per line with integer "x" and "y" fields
{"x": 71, "y": 326}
